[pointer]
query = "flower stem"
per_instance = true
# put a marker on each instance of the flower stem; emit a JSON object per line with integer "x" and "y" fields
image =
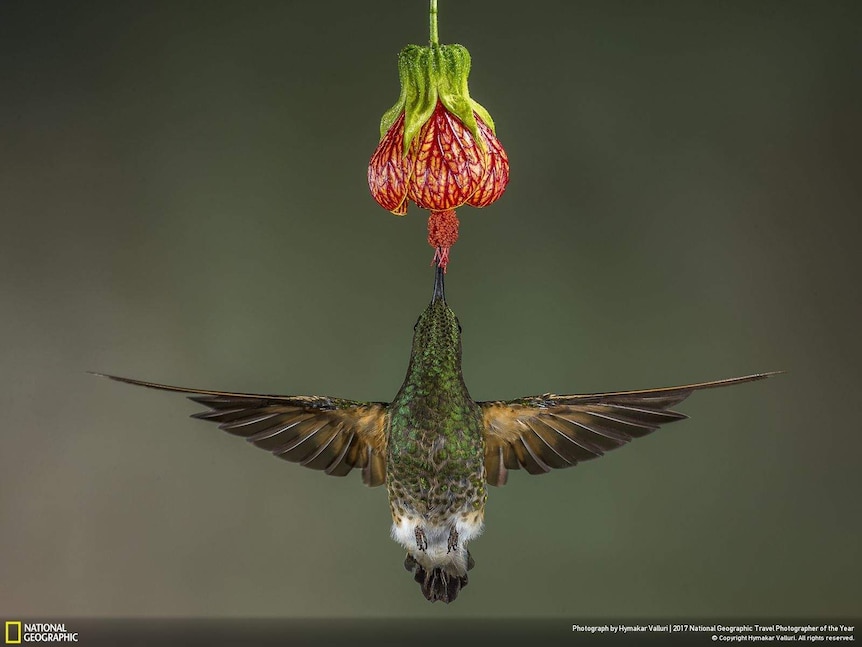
{"x": 432, "y": 19}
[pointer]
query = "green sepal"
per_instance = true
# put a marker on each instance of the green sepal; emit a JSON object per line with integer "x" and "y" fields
{"x": 429, "y": 73}
{"x": 484, "y": 114}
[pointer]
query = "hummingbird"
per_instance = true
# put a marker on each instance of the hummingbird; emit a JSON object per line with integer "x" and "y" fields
{"x": 433, "y": 446}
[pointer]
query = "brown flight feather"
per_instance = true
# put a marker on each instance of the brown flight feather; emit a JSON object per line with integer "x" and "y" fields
{"x": 545, "y": 432}
{"x": 329, "y": 434}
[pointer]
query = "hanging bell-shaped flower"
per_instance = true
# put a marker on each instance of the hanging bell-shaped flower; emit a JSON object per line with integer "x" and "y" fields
{"x": 438, "y": 147}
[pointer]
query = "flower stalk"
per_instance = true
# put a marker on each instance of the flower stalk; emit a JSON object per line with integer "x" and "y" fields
{"x": 432, "y": 20}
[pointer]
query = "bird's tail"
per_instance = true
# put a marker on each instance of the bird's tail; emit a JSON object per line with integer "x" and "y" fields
{"x": 440, "y": 581}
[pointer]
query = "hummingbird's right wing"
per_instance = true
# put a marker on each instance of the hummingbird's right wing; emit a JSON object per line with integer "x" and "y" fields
{"x": 543, "y": 432}
{"x": 322, "y": 433}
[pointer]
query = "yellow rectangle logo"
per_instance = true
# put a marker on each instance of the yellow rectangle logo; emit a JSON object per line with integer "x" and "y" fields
{"x": 13, "y": 632}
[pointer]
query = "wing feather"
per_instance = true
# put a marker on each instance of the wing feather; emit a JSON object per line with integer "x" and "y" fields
{"x": 340, "y": 465}
{"x": 544, "y": 432}
{"x": 322, "y": 433}
{"x": 544, "y": 443}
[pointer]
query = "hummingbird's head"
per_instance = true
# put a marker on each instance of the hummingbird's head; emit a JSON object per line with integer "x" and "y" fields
{"x": 437, "y": 329}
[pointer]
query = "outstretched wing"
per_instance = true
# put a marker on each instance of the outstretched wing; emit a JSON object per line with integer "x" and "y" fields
{"x": 544, "y": 432}
{"x": 322, "y": 433}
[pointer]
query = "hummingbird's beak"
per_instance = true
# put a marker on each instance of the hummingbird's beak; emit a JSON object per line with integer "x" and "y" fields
{"x": 439, "y": 292}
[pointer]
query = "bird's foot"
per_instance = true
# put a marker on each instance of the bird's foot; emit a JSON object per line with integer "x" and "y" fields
{"x": 453, "y": 540}
{"x": 421, "y": 541}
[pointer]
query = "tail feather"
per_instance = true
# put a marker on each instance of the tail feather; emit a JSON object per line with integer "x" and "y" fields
{"x": 440, "y": 582}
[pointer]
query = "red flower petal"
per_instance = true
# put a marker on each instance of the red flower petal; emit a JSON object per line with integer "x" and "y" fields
{"x": 449, "y": 166}
{"x": 389, "y": 170}
{"x": 497, "y": 177}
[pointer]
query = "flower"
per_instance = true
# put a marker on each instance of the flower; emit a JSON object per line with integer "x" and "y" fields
{"x": 438, "y": 146}
{"x": 444, "y": 167}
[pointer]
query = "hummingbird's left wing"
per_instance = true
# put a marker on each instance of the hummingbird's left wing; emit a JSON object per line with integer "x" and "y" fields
{"x": 329, "y": 434}
{"x": 543, "y": 432}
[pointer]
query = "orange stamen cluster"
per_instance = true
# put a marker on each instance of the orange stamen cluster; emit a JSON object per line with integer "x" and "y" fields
{"x": 442, "y": 234}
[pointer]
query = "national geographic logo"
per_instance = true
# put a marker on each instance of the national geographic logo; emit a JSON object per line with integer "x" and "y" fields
{"x": 13, "y": 632}
{"x": 18, "y": 632}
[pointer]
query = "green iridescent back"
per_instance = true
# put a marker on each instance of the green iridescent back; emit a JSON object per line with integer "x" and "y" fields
{"x": 435, "y": 454}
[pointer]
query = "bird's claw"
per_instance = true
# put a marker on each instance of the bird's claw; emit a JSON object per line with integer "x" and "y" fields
{"x": 421, "y": 541}
{"x": 453, "y": 540}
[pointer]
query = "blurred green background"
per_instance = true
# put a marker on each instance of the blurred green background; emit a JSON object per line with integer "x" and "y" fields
{"x": 183, "y": 199}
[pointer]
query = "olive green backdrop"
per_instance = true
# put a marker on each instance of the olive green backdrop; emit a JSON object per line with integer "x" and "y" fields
{"x": 183, "y": 199}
